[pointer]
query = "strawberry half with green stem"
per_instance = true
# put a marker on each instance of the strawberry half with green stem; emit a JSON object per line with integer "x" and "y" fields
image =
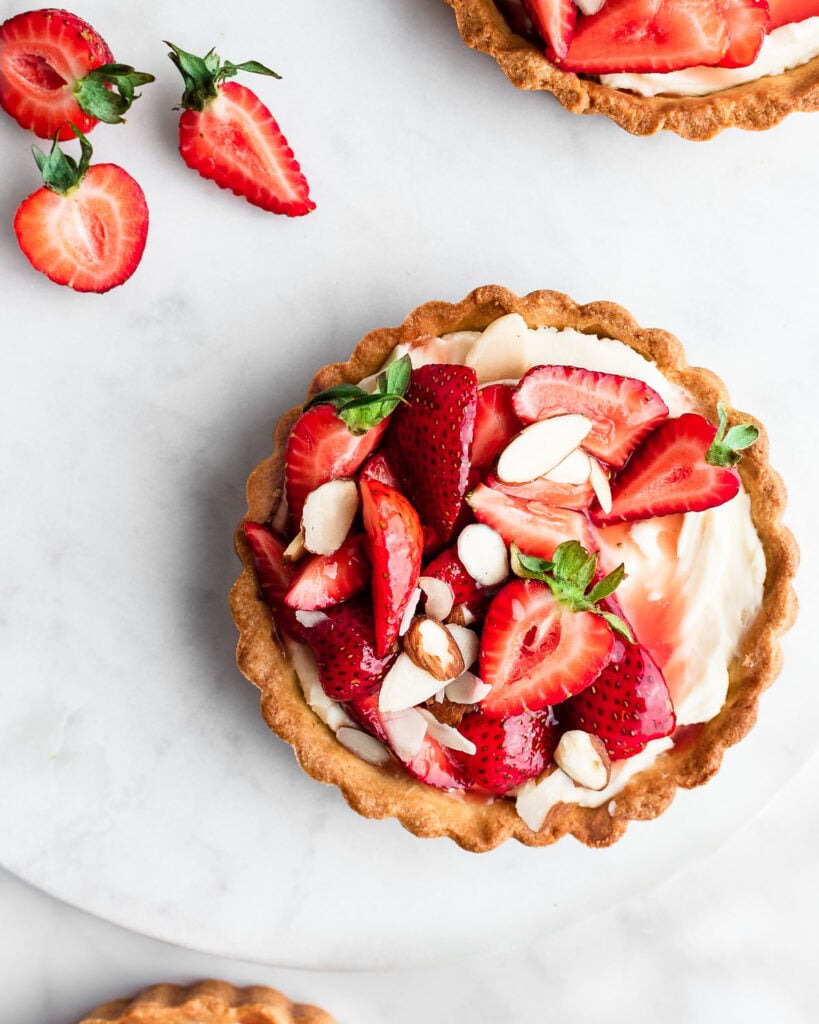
{"x": 56, "y": 70}
{"x": 87, "y": 227}
{"x": 228, "y": 135}
{"x": 686, "y": 465}
{"x": 396, "y": 543}
{"x": 546, "y": 636}
{"x": 429, "y": 441}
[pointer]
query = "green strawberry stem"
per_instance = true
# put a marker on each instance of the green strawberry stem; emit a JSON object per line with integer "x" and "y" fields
{"x": 62, "y": 173}
{"x": 726, "y": 447}
{"x": 95, "y": 96}
{"x": 202, "y": 75}
{"x": 361, "y": 410}
{"x": 569, "y": 576}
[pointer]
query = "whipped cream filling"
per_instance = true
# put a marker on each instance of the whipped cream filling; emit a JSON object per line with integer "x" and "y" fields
{"x": 683, "y": 592}
{"x": 788, "y": 46}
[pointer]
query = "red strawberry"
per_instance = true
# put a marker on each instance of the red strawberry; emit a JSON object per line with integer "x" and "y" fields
{"x": 511, "y": 749}
{"x": 536, "y": 528}
{"x": 686, "y": 465}
{"x": 785, "y": 12}
{"x": 748, "y": 22}
{"x": 377, "y": 467}
{"x": 343, "y": 643}
{"x": 436, "y": 765}
{"x": 546, "y": 491}
{"x": 429, "y": 440}
{"x": 56, "y": 70}
{"x": 87, "y": 227}
{"x": 228, "y": 135}
{"x": 626, "y": 706}
{"x": 448, "y": 567}
{"x": 622, "y": 409}
{"x": 273, "y": 574}
{"x": 324, "y": 580}
{"x": 648, "y": 35}
{"x": 555, "y": 21}
{"x": 396, "y": 541}
{"x": 322, "y": 447}
{"x": 495, "y": 424}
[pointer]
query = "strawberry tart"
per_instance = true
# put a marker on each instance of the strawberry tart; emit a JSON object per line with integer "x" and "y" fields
{"x": 693, "y": 67}
{"x": 207, "y": 1002}
{"x": 481, "y": 568}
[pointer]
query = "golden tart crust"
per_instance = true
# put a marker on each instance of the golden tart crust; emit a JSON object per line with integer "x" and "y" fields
{"x": 473, "y": 822}
{"x": 207, "y": 1002}
{"x": 754, "y": 106}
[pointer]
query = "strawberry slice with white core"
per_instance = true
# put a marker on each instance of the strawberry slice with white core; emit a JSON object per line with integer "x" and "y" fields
{"x": 324, "y": 580}
{"x": 622, "y": 409}
{"x": 748, "y": 22}
{"x": 646, "y": 36}
{"x": 555, "y": 21}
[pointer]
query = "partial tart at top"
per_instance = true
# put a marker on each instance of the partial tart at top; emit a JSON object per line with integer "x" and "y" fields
{"x": 581, "y": 58}
{"x": 485, "y": 646}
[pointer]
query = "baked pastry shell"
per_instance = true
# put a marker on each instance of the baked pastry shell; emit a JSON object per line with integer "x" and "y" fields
{"x": 754, "y": 106}
{"x": 207, "y": 1002}
{"x": 475, "y": 822}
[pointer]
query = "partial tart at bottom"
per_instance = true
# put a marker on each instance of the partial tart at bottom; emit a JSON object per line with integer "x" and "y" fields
{"x": 755, "y": 105}
{"x": 421, "y": 744}
{"x": 207, "y": 1002}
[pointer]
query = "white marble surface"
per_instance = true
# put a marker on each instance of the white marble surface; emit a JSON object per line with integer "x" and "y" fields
{"x": 136, "y": 778}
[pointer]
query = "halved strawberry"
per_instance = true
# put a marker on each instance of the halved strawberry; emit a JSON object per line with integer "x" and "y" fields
{"x": 448, "y": 567}
{"x": 627, "y": 705}
{"x": 549, "y": 492}
{"x": 748, "y": 22}
{"x": 785, "y": 12}
{"x": 686, "y": 465}
{"x": 555, "y": 21}
{"x": 56, "y": 70}
{"x": 644, "y": 36}
{"x": 324, "y": 580}
{"x": 510, "y": 749}
{"x": 396, "y": 541}
{"x": 429, "y": 441}
{"x": 495, "y": 424}
{"x": 377, "y": 467}
{"x": 436, "y": 765}
{"x": 274, "y": 575}
{"x": 535, "y": 527}
{"x": 87, "y": 227}
{"x": 622, "y": 409}
{"x": 228, "y": 135}
{"x": 343, "y": 642}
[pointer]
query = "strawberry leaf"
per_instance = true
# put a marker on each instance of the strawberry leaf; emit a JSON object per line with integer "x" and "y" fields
{"x": 728, "y": 443}
{"x": 62, "y": 173}
{"x": 362, "y": 410}
{"x": 202, "y": 75}
{"x": 107, "y": 92}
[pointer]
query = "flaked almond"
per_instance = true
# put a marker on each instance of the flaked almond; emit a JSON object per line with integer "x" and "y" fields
{"x": 328, "y": 514}
{"x": 439, "y": 597}
{"x": 409, "y": 611}
{"x": 295, "y": 549}
{"x": 466, "y": 689}
{"x": 363, "y": 745}
{"x": 541, "y": 446}
{"x": 482, "y": 552}
{"x": 310, "y": 619}
{"x": 574, "y": 469}
{"x": 467, "y": 641}
{"x": 433, "y": 648}
{"x": 584, "y": 758}
{"x": 447, "y": 735}
{"x": 406, "y": 685}
{"x": 601, "y": 486}
{"x": 460, "y": 616}
{"x": 406, "y": 731}
{"x": 500, "y": 350}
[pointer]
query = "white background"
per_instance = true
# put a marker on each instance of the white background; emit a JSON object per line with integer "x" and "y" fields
{"x": 136, "y": 778}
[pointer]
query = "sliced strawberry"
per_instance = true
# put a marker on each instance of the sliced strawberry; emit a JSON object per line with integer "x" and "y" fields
{"x": 748, "y": 22}
{"x": 510, "y": 749}
{"x": 626, "y": 706}
{"x": 274, "y": 575}
{"x": 549, "y": 492}
{"x": 322, "y": 447}
{"x": 622, "y": 409}
{"x": 363, "y": 709}
{"x": 436, "y": 765}
{"x": 533, "y": 526}
{"x": 535, "y": 651}
{"x": 786, "y": 12}
{"x": 429, "y": 441}
{"x": 56, "y": 70}
{"x": 644, "y": 36}
{"x": 228, "y": 135}
{"x": 396, "y": 542}
{"x": 555, "y": 21}
{"x": 686, "y": 465}
{"x": 448, "y": 567}
{"x": 324, "y": 580}
{"x": 87, "y": 227}
{"x": 377, "y": 467}
{"x": 495, "y": 424}
{"x": 343, "y": 642}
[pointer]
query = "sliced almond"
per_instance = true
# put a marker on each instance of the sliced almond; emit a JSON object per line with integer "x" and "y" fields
{"x": 467, "y": 642}
{"x": 600, "y": 483}
{"x": 328, "y": 514}
{"x": 406, "y": 685}
{"x": 446, "y": 735}
{"x": 409, "y": 611}
{"x": 295, "y": 549}
{"x": 460, "y": 616}
{"x": 310, "y": 619}
{"x": 584, "y": 759}
{"x": 482, "y": 552}
{"x": 574, "y": 469}
{"x": 467, "y": 689}
{"x": 360, "y": 743}
{"x": 439, "y": 597}
{"x": 590, "y": 7}
{"x": 406, "y": 731}
{"x": 433, "y": 648}
{"x": 541, "y": 446}
{"x": 500, "y": 350}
